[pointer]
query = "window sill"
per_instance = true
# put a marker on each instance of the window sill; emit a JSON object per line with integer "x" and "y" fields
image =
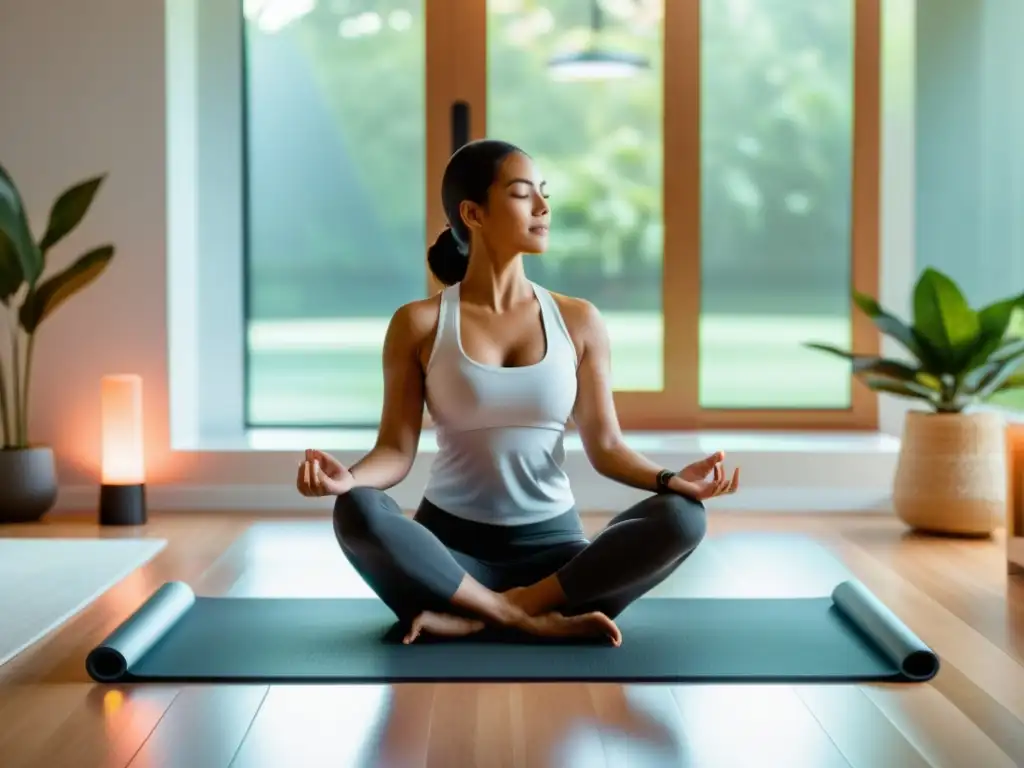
{"x": 782, "y": 472}
{"x": 278, "y": 439}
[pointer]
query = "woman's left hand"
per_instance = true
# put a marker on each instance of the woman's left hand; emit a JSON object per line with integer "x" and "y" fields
{"x": 708, "y": 478}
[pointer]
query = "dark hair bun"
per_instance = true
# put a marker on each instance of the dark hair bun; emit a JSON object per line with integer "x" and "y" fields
{"x": 446, "y": 259}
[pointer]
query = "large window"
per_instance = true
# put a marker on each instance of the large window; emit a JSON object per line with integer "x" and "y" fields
{"x": 701, "y": 161}
{"x": 777, "y": 105}
{"x": 335, "y": 200}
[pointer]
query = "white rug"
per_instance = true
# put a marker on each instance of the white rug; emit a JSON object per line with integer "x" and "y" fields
{"x": 45, "y": 582}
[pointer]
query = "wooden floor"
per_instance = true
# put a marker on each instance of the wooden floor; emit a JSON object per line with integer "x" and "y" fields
{"x": 954, "y": 594}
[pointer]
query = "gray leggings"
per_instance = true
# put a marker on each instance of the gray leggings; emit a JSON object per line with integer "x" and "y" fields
{"x": 417, "y": 564}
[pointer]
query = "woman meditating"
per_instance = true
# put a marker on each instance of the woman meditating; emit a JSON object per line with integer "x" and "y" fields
{"x": 502, "y": 364}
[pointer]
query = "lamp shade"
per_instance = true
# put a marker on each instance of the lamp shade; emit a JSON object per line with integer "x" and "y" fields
{"x": 596, "y": 65}
{"x": 121, "y": 413}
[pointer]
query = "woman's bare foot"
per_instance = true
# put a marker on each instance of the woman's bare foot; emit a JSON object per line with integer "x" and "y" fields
{"x": 554, "y": 624}
{"x": 442, "y": 625}
{"x": 544, "y": 596}
{"x": 518, "y": 597}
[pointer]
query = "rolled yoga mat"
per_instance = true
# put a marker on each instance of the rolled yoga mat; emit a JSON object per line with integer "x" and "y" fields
{"x": 849, "y": 636}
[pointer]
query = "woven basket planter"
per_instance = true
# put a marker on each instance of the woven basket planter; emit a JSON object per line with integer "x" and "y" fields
{"x": 951, "y": 473}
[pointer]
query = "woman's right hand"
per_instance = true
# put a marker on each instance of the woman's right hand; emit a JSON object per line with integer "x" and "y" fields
{"x": 320, "y": 474}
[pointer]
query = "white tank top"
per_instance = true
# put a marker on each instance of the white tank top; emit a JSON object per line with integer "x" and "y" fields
{"x": 500, "y": 431}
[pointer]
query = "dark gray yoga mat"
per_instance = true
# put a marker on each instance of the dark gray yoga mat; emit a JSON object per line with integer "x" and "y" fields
{"x": 847, "y": 637}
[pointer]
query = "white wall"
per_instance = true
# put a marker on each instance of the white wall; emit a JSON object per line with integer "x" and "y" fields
{"x": 897, "y": 270}
{"x": 970, "y": 145}
{"x": 83, "y": 91}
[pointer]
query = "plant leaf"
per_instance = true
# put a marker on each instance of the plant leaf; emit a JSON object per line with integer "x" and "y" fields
{"x": 994, "y": 320}
{"x": 973, "y": 379}
{"x": 943, "y": 317}
{"x": 42, "y": 301}
{"x": 892, "y": 326}
{"x": 10, "y": 269}
{"x": 14, "y": 224}
{"x": 1016, "y": 381}
{"x": 68, "y": 211}
{"x": 831, "y": 348}
{"x": 1009, "y": 348}
{"x": 901, "y": 388}
{"x": 880, "y": 366}
{"x": 976, "y": 379}
{"x": 994, "y": 379}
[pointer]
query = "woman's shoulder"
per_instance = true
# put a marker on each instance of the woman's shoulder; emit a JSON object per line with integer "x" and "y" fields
{"x": 582, "y": 319}
{"x": 416, "y": 321}
{"x": 579, "y": 314}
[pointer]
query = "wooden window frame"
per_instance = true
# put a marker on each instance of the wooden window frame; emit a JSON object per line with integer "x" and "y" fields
{"x": 456, "y": 70}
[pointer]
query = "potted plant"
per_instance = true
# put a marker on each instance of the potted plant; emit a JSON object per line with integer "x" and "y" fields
{"x": 951, "y": 470}
{"x": 28, "y": 478}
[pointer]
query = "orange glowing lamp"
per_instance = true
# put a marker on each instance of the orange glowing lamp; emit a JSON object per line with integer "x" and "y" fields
{"x": 123, "y": 486}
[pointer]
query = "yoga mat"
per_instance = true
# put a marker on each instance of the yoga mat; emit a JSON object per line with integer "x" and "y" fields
{"x": 849, "y": 636}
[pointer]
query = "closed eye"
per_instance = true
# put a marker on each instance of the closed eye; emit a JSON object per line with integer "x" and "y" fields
{"x": 541, "y": 188}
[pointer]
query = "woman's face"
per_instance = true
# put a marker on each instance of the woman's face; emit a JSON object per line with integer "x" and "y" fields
{"x": 517, "y": 215}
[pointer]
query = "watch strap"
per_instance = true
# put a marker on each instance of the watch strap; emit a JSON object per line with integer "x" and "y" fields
{"x": 663, "y": 479}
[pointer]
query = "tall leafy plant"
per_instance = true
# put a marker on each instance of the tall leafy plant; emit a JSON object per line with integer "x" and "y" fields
{"x": 959, "y": 356}
{"x": 29, "y": 296}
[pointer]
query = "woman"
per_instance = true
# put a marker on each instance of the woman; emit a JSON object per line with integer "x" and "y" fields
{"x": 502, "y": 364}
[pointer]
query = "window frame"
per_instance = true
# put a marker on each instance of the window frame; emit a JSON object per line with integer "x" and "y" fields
{"x": 677, "y": 406}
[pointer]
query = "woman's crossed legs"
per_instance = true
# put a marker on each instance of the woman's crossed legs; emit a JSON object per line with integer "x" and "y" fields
{"x": 570, "y": 588}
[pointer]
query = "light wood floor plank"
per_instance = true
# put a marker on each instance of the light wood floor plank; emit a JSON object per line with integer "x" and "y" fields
{"x": 939, "y": 730}
{"x": 753, "y": 725}
{"x": 560, "y": 727}
{"x": 640, "y": 725}
{"x": 202, "y": 728}
{"x": 30, "y": 714}
{"x": 501, "y": 731}
{"x": 308, "y": 725}
{"x": 858, "y": 728}
{"x": 999, "y": 724}
{"x": 106, "y": 729}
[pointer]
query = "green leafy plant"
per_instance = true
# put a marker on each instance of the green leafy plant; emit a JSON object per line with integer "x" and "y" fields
{"x": 27, "y": 296}
{"x": 960, "y": 356}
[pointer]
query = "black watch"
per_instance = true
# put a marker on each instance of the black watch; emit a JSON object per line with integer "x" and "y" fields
{"x": 663, "y": 478}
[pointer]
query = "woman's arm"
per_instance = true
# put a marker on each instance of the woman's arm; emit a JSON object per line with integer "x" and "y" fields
{"x": 392, "y": 456}
{"x": 595, "y": 415}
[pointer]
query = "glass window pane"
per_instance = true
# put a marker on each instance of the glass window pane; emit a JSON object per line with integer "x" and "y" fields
{"x": 587, "y": 107}
{"x": 776, "y": 152}
{"x": 336, "y": 209}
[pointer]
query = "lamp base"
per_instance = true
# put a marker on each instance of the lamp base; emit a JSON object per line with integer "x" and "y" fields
{"x": 123, "y": 504}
